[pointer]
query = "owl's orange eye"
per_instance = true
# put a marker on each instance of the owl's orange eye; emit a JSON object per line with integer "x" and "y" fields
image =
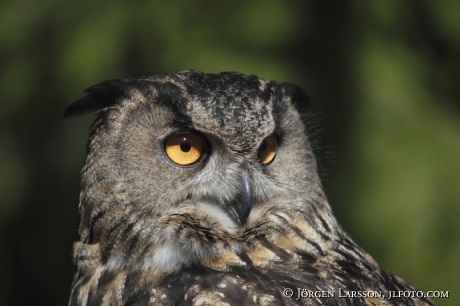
{"x": 185, "y": 149}
{"x": 267, "y": 150}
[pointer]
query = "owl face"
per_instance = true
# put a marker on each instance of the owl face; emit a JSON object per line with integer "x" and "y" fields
{"x": 220, "y": 149}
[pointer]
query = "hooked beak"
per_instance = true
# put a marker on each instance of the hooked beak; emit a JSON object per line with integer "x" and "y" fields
{"x": 240, "y": 207}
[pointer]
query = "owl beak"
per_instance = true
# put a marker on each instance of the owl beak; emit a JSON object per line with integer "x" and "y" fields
{"x": 240, "y": 207}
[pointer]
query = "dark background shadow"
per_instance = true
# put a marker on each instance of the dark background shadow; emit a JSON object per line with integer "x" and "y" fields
{"x": 382, "y": 77}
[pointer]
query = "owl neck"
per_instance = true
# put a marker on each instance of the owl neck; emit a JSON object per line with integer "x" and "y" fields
{"x": 176, "y": 241}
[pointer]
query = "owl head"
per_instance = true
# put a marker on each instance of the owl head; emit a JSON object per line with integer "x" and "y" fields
{"x": 191, "y": 159}
{"x": 203, "y": 189}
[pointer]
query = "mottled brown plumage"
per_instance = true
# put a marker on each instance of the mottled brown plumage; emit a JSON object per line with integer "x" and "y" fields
{"x": 228, "y": 229}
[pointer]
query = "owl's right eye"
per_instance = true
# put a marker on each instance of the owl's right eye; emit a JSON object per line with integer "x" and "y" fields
{"x": 185, "y": 149}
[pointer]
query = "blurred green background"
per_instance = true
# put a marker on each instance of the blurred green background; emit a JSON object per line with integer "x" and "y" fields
{"x": 382, "y": 77}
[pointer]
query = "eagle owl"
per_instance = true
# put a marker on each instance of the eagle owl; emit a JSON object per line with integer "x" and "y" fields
{"x": 202, "y": 189}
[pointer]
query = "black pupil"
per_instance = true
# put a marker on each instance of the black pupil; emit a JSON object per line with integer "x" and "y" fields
{"x": 185, "y": 145}
{"x": 263, "y": 146}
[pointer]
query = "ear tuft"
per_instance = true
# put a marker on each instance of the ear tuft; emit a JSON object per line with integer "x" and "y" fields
{"x": 296, "y": 95}
{"x": 99, "y": 96}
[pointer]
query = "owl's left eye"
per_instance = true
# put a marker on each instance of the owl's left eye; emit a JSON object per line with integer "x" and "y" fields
{"x": 185, "y": 149}
{"x": 267, "y": 150}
